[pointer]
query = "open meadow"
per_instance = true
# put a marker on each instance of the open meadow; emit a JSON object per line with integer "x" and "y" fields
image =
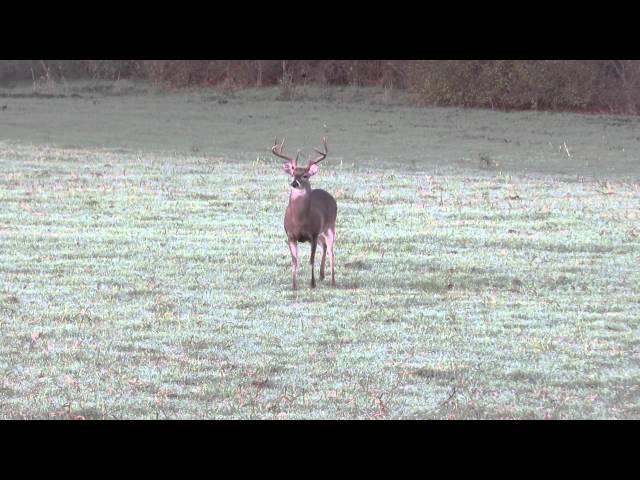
{"x": 487, "y": 263}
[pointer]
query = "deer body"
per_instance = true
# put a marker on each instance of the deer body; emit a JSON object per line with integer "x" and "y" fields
{"x": 306, "y": 214}
{"x": 310, "y": 215}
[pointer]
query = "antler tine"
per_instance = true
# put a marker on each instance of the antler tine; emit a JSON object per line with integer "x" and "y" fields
{"x": 277, "y": 151}
{"x": 278, "y": 145}
{"x": 322, "y": 154}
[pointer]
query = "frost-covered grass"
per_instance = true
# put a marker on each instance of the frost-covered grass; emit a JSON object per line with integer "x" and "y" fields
{"x": 482, "y": 270}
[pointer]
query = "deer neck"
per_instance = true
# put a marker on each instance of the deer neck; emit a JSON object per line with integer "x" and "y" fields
{"x": 299, "y": 201}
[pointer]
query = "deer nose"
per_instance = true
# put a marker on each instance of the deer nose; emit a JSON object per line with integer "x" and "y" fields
{"x": 295, "y": 184}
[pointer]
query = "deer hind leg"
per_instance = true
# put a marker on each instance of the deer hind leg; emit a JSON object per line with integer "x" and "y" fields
{"x": 330, "y": 237}
{"x": 314, "y": 244}
{"x": 293, "y": 247}
{"x": 323, "y": 243}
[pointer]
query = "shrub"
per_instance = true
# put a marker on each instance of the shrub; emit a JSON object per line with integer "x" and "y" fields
{"x": 592, "y": 85}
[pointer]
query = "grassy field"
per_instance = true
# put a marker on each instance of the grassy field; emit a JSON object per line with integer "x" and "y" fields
{"x": 487, "y": 263}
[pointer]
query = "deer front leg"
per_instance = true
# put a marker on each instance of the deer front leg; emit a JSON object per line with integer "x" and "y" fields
{"x": 293, "y": 247}
{"x": 331, "y": 235}
{"x": 323, "y": 244}
{"x": 314, "y": 244}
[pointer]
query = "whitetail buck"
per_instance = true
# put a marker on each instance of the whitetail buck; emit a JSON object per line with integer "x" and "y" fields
{"x": 311, "y": 213}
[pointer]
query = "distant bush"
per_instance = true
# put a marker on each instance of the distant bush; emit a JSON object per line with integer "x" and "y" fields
{"x": 231, "y": 73}
{"x": 37, "y": 71}
{"x": 593, "y": 85}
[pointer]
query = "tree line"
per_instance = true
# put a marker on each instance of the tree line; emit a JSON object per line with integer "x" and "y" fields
{"x": 611, "y": 86}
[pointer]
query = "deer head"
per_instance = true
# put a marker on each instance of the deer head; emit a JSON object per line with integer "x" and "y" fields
{"x": 300, "y": 175}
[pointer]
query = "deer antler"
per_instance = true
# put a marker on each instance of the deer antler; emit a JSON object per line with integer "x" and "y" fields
{"x": 277, "y": 151}
{"x": 322, "y": 154}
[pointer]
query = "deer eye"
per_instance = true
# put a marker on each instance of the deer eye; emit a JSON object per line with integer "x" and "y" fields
{"x": 305, "y": 176}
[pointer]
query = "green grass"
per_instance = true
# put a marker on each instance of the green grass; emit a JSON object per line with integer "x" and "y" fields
{"x": 146, "y": 282}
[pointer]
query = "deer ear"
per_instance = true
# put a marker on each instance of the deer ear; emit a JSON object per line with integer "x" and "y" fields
{"x": 313, "y": 169}
{"x": 287, "y": 167}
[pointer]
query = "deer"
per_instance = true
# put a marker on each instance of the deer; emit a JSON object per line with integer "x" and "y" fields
{"x": 311, "y": 213}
